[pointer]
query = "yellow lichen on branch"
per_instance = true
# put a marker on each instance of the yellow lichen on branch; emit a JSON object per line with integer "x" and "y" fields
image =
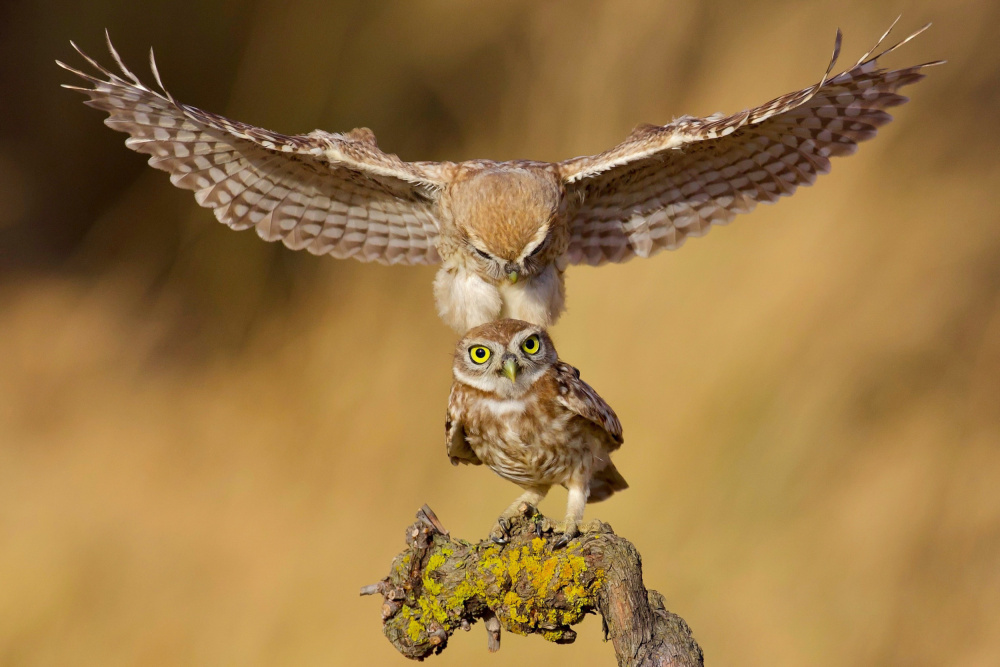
{"x": 526, "y": 585}
{"x": 544, "y": 591}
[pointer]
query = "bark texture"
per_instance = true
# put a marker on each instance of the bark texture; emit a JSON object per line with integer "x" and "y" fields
{"x": 527, "y": 586}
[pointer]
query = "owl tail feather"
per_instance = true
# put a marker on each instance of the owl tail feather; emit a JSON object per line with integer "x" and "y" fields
{"x": 605, "y": 482}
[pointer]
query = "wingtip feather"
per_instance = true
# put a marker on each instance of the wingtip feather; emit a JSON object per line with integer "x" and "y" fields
{"x": 868, "y": 57}
{"x": 118, "y": 61}
{"x": 93, "y": 63}
{"x": 156, "y": 76}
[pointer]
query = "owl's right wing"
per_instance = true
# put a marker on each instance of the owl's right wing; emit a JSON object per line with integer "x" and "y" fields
{"x": 666, "y": 183}
{"x": 579, "y": 397}
{"x": 330, "y": 194}
{"x": 456, "y": 445}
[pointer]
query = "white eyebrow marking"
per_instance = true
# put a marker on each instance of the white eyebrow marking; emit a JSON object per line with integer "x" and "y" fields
{"x": 537, "y": 240}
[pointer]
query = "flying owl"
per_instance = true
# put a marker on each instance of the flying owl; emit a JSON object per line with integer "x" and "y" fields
{"x": 503, "y": 232}
{"x": 528, "y": 416}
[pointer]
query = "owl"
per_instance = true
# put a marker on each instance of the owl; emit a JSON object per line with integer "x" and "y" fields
{"x": 528, "y": 416}
{"x": 502, "y": 232}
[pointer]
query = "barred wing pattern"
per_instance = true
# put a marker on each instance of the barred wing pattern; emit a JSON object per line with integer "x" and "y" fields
{"x": 666, "y": 183}
{"x": 579, "y": 397}
{"x": 334, "y": 194}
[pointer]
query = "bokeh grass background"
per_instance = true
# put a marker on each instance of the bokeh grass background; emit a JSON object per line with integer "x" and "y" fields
{"x": 209, "y": 443}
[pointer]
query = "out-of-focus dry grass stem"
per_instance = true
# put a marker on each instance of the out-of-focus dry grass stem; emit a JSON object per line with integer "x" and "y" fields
{"x": 189, "y": 418}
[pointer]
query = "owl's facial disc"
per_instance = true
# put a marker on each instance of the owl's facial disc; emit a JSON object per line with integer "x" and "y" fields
{"x": 505, "y": 215}
{"x": 504, "y": 358}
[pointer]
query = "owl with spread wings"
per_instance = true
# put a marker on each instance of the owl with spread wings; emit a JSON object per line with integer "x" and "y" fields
{"x": 502, "y": 232}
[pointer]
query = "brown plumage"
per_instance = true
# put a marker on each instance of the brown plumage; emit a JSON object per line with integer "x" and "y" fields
{"x": 518, "y": 409}
{"x": 503, "y": 232}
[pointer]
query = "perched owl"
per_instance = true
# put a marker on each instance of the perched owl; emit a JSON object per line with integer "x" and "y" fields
{"x": 503, "y": 232}
{"x": 529, "y": 417}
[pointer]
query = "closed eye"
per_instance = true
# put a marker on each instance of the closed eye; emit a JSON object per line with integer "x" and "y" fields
{"x": 484, "y": 255}
{"x": 537, "y": 250}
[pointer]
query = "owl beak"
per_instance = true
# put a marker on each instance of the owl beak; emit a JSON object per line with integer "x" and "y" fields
{"x": 512, "y": 277}
{"x": 510, "y": 368}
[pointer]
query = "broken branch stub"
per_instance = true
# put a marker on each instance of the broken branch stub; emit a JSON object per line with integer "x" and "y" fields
{"x": 527, "y": 586}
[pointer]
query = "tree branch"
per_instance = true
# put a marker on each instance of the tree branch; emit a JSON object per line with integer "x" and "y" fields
{"x": 440, "y": 584}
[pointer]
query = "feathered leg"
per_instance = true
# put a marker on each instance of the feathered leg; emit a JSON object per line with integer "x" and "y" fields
{"x": 575, "y": 504}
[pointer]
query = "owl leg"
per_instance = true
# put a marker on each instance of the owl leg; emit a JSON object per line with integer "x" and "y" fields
{"x": 575, "y": 503}
{"x": 532, "y": 496}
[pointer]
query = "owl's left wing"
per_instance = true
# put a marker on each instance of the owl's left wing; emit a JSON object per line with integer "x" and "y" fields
{"x": 666, "y": 183}
{"x": 330, "y": 194}
{"x": 579, "y": 397}
{"x": 457, "y": 446}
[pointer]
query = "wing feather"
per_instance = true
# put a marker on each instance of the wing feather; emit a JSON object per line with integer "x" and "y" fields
{"x": 330, "y": 194}
{"x": 579, "y": 397}
{"x": 456, "y": 445}
{"x": 664, "y": 184}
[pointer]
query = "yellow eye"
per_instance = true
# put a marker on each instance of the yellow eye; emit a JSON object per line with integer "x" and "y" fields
{"x": 479, "y": 354}
{"x": 531, "y": 344}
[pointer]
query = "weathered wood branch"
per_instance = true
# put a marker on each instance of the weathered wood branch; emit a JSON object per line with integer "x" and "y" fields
{"x": 440, "y": 584}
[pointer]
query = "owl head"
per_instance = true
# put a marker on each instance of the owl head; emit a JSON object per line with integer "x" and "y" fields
{"x": 505, "y": 217}
{"x": 505, "y": 357}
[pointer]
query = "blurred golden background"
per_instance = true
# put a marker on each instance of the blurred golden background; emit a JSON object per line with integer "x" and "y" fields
{"x": 209, "y": 443}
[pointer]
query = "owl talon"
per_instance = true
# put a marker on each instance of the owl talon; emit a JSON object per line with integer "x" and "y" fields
{"x": 569, "y": 530}
{"x": 562, "y": 541}
{"x": 501, "y": 532}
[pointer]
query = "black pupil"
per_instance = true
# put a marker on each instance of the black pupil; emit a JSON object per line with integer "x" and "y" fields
{"x": 480, "y": 353}
{"x": 532, "y": 344}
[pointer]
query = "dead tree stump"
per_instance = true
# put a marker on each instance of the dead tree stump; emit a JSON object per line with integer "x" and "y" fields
{"x": 440, "y": 584}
